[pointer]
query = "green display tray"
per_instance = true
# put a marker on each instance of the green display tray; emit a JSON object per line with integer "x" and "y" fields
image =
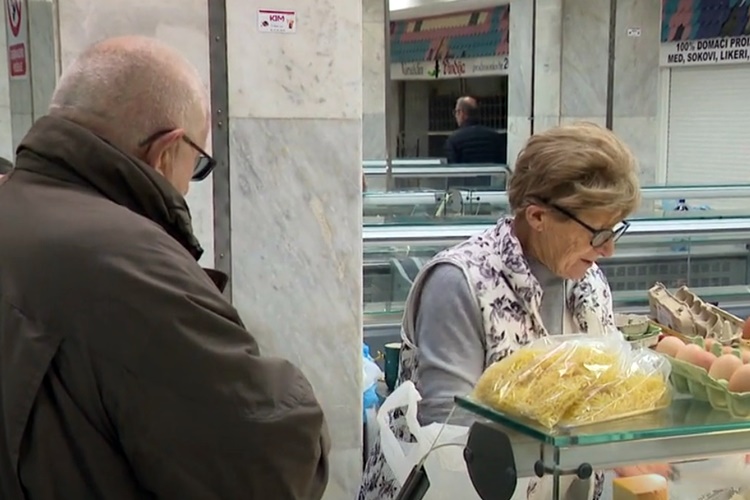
{"x": 693, "y": 380}
{"x": 683, "y": 417}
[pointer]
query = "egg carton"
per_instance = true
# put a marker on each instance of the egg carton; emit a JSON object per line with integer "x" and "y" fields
{"x": 694, "y": 380}
{"x": 688, "y": 314}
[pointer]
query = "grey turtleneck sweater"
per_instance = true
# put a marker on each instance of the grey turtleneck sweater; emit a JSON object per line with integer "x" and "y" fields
{"x": 450, "y": 334}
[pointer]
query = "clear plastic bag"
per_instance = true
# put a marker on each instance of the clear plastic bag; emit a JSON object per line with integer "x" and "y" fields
{"x": 571, "y": 380}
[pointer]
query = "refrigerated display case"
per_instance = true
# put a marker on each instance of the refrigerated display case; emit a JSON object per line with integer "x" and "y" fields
{"x": 704, "y": 249}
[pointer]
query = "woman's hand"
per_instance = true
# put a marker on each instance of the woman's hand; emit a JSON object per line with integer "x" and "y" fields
{"x": 664, "y": 470}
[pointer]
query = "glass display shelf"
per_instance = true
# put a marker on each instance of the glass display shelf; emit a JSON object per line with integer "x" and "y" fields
{"x": 432, "y": 174}
{"x": 685, "y": 431}
{"x": 454, "y": 202}
{"x": 684, "y": 417}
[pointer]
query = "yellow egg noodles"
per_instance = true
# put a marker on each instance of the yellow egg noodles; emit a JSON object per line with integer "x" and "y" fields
{"x": 574, "y": 380}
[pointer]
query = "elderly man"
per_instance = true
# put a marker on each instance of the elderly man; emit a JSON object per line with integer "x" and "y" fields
{"x": 473, "y": 143}
{"x": 124, "y": 374}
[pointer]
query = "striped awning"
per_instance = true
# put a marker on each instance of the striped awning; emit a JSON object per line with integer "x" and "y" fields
{"x": 700, "y": 19}
{"x": 481, "y": 33}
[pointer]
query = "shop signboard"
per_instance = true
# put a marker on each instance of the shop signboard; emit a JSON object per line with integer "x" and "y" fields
{"x": 725, "y": 50}
{"x": 450, "y": 68}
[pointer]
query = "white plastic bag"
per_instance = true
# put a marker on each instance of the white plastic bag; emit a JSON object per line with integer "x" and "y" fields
{"x": 445, "y": 466}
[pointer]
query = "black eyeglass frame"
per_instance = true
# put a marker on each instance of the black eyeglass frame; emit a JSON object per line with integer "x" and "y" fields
{"x": 599, "y": 237}
{"x": 205, "y": 163}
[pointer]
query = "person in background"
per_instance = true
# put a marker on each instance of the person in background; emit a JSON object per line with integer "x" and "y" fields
{"x": 124, "y": 372}
{"x": 533, "y": 274}
{"x": 473, "y": 142}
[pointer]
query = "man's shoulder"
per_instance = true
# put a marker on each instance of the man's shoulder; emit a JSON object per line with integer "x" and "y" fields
{"x": 81, "y": 237}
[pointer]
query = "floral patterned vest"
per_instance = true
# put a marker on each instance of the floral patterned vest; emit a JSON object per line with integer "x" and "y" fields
{"x": 508, "y": 295}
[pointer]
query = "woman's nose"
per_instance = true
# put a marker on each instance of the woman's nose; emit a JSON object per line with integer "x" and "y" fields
{"x": 607, "y": 249}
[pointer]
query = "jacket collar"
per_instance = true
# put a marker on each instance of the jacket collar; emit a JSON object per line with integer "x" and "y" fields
{"x": 76, "y": 154}
{"x": 470, "y": 122}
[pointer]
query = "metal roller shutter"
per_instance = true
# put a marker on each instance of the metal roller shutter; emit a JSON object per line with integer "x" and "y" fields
{"x": 709, "y": 127}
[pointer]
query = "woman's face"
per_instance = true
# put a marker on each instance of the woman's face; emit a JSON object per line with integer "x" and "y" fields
{"x": 564, "y": 244}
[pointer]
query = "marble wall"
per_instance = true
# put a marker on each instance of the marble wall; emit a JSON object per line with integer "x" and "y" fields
{"x": 520, "y": 76}
{"x": 373, "y": 80}
{"x": 6, "y": 130}
{"x": 637, "y": 91}
{"x": 571, "y": 71}
{"x": 180, "y": 23}
{"x": 585, "y": 60}
{"x": 19, "y": 88}
{"x": 295, "y": 126}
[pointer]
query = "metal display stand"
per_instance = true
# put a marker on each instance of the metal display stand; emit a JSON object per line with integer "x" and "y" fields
{"x": 489, "y": 461}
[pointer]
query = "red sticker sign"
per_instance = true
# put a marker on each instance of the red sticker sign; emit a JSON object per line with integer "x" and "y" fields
{"x": 15, "y": 14}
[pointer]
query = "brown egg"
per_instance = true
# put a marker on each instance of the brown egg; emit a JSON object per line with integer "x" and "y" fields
{"x": 745, "y": 356}
{"x": 724, "y": 367}
{"x": 695, "y": 355}
{"x": 746, "y": 329}
{"x": 709, "y": 343}
{"x": 706, "y": 360}
{"x": 670, "y": 346}
{"x": 740, "y": 381}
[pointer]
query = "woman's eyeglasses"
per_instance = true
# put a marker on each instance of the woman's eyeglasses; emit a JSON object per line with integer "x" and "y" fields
{"x": 599, "y": 237}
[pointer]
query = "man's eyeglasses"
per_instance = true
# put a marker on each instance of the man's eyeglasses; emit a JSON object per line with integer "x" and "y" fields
{"x": 204, "y": 164}
{"x": 599, "y": 237}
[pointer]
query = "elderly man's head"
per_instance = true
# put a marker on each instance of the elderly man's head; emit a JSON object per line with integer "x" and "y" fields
{"x": 143, "y": 97}
{"x": 466, "y": 110}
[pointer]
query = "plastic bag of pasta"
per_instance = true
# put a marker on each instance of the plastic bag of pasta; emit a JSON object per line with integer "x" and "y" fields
{"x": 571, "y": 380}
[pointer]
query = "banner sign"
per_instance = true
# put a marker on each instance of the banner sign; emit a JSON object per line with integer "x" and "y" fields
{"x": 727, "y": 50}
{"x": 450, "y": 68}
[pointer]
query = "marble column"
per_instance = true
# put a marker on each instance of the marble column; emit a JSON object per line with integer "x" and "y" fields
{"x": 19, "y": 86}
{"x": 181, "y": 23}
{"x": 6, "y": 128}
{"x": 295, "y": 155}
{"x": 585, "y": 60}
{"x": 547, "y": 85}
{"x": 571, "y": 66}
{"x": 520, "y": 76}
{"x": 636, "y": 89}
{"x": 373, "y": 80}
{"x": 43, "y": 63}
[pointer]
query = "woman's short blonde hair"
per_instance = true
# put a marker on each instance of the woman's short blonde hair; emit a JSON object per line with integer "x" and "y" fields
{"x": 581, "y": 166}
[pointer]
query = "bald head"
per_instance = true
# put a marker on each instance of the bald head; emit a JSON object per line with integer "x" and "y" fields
{"x": 128, "y": 88}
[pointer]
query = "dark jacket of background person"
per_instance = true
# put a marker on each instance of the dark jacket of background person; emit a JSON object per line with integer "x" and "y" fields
{"x": 474, "y": 143}
{"x": 124, "y": 373}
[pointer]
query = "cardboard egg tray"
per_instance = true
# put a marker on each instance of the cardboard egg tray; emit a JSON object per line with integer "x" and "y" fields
{"x": 694, "y": 380}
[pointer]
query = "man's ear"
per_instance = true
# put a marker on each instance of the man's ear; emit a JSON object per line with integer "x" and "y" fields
{"x": 162, "y": 150}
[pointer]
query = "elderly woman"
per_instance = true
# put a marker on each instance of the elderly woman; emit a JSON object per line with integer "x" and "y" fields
{"x": 533, "y": 274}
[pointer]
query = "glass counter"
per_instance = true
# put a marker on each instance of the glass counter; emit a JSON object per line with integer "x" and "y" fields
{"x": 446, "y": 204}
{"x": 687, "y": 430}
{"x": 431, "y": 174}
{"x": 684, "y": 417}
